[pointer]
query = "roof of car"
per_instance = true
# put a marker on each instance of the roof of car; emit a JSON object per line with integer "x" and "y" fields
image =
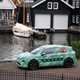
{"x": 47, "y": 46}
{"x": 50, "y": 46}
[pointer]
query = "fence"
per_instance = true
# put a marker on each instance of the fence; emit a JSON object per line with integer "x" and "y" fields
{"x": 36, "y": 75}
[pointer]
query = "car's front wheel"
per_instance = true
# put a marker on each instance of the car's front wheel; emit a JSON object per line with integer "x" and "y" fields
{"x": 68, "y": 63}
{"x": 33, "y": 65}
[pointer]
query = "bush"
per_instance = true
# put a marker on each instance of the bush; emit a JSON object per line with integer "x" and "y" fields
{"x": 76, "y": 46}
{"x": 39, "y": 35}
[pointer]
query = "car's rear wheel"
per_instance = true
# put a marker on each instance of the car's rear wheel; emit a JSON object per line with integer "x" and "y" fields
{"x": 33, "y": 65}
{"x": 68, "y": 63}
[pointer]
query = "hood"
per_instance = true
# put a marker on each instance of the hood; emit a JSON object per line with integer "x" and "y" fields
{"x": 24, "y": 54}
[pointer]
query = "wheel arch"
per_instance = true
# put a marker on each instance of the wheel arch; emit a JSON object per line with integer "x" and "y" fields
{"x": 68, "y": 58}
{"x": 33, "y": 60}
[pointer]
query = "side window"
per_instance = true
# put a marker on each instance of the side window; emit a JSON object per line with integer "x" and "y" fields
{"x": 50, "y": 51}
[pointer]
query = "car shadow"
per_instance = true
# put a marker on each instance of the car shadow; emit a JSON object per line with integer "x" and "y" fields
{"x": 47, "y": 68}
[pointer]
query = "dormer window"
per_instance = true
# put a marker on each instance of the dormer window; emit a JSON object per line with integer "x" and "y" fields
{"x": 55, "y": 5}
{"x": 76, "y": 3}
{"x": 49, "y": 5}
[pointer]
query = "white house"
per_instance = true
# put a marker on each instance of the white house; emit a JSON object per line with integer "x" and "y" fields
{"x": 6, "y": 14}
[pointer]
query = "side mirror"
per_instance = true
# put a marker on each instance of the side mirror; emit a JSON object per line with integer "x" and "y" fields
{"x": 42, "y": 54}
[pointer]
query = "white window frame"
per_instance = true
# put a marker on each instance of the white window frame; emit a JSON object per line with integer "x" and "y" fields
{"x": 73, "y": 18}
{"x": 55, "y": 5}
{"x": 49, "y": 5}
{"x": 66, "y": 1}
{"x": 77, "y": 4}
{"x": 74, "y": 3}
{"x": 77, "y": 19}
{"x": 28, "y": 17}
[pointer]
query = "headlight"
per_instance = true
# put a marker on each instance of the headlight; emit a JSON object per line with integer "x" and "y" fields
{"x": 20, "y": 58}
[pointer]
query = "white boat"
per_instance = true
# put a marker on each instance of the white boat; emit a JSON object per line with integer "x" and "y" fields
{"x": 22, "y": 30}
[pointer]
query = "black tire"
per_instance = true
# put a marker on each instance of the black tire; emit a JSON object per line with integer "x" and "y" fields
{"x": 33, "y": 65}
{"x": 68, "y": 63}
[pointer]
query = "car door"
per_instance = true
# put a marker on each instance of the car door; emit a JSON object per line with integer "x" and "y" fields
{"x": 48, "y": 57}
{"x": 58, "y": 56}
{"x": 51, "y": 56}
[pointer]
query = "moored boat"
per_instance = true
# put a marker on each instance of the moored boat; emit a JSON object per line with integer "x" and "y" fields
{"x": 22, "y": 30}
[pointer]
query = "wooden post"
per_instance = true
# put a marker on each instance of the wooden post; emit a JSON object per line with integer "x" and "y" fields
{"x": 23, "y": 13}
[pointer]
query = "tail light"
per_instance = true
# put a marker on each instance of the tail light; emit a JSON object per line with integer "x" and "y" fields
{"x": 62, "y": 50}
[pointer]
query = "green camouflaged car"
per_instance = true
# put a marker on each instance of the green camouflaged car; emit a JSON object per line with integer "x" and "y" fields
{"x": 47, "y": 55}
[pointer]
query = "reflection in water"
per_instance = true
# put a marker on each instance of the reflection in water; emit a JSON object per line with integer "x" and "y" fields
{"x": 11, "y": 45}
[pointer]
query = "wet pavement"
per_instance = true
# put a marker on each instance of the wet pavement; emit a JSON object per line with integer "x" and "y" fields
{"x": 11, "y": 45}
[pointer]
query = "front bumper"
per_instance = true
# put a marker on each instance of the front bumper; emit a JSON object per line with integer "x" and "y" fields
{"x": 22, "y": 63}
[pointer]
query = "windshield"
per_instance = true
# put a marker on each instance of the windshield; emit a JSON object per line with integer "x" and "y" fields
{"x": 37, "y": 50}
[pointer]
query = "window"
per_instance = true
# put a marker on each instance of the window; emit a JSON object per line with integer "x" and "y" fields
{"x": 73, "y": 18}
{"x": 77, "y": 4}
{"x": 27, "y": 17}
{"x": 49, "y": 5}
{"x": 74, "y": 3}
{"x": 50, "y": 50}
{"x": 55, "y": 5}
{"x": 77, "y": 19}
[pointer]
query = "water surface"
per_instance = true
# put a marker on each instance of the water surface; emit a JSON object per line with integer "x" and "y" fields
{"x": 11, "y": 45}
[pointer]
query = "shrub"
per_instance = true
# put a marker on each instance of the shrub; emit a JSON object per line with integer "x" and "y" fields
{"x": 39, "y": 35}
{"x": 76, "y": 46}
